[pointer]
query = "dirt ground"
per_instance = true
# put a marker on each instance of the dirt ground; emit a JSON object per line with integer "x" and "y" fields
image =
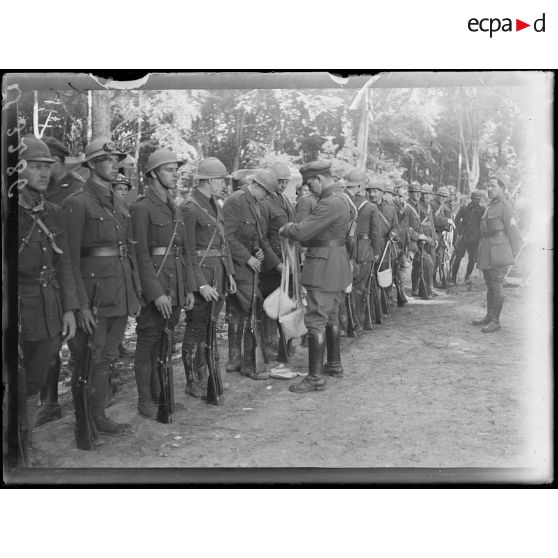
{"x": 424, "y": 389}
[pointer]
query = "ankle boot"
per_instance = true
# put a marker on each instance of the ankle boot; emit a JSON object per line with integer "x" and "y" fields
{"x": 235, "y": 341}
{"x": 429, "y": 287}
{"x": 248, "y": 364}
{"x": 496, "y": 307}
{"x": 190, "y": 358}
{"x": 315, "y": 380}
{"x": 333, "y": 365}
{"x": 269, "y": 328}
{"x": 414, "y": 281}
{"x": 488, "y": 316}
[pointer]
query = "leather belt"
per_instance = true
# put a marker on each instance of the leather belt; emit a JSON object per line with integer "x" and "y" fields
{"x": 161, "y": 251}
{"x": 120, "y": 251}
{"x": 211, "y": 253}
{"x": 495, "y": 233}
{"x": 326, "y": 243}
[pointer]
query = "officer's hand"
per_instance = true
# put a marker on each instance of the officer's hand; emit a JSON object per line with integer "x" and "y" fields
{"x": 209, "y": 293}
{"x": 259, "y": 254}
{"x": 279, "y": 267}
{"x": 283, "y": 229}
{"x": 232, "y": 285}
{"x": 349, "y": 289}
{"x": 86, "y": 321}
{"x": 189, "y": 301}
{"x": 376, "y": 258}
{"x": 68, "y": 326}
{"x": 254, "y": 264}
{"x": 163, "y": 304}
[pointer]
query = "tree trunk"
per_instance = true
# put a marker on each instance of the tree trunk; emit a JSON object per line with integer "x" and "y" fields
{"x": 89, "y": 115}
{"x": 362, "y": 140}
{"x": 36, "y": 113}
{"x": 100, "y": 114}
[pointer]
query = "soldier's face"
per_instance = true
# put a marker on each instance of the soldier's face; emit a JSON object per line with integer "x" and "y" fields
{"x": 283, "y": 183}
{"x": 106, "y": 168}
{"x": 217, "y": 186}
{"x": 260, "y": 193}
{"x": 37, "y": 174}
{"x": 121, "y": 190}
{"x": 388, "y": 197}
{"x": 494, "y": 189}
{"x": 415, "y": 196}
{"x": 168, "y": 175}
{"x": 315, "y": 185}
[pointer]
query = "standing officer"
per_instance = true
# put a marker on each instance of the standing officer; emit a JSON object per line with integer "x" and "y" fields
{"x": 164, "y": 269}
{"x": 367, "y": 243}
{"x": 467, "y": 222}
{"x": 400, "y": 203}
{"x": 61, "y": 184}
{"x": 499, "y": 244}
{"x": 212, "y": 265}
{"x": 276, "y": 211}
{"x": 99, "y": 238}
{"x": 421, "y": 229}
{"x": 46, "y": 290}
{"x": 250, "y": 253}
{"x": 326, "y": 272}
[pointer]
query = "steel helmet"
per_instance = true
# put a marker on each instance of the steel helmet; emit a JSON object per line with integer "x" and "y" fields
{"x": 355, "y": 177}
{"x": 388, "y": 186}
{"x": 375, "y": 183}
{"x": 161, "y": 157}
{"x": 267, "y": 180}
{"x": 100, "y": 147}
{"x": 426, "y": 188}
{"x": 442, "y": 191}
{"x": 211, "y": 167}
{"x": 35, "y": 150}
{"x": 56, "y": 147}
{"x": 281, "y": 171}
{"x": 414, "y": 186}
{"x": 476, "y": 194}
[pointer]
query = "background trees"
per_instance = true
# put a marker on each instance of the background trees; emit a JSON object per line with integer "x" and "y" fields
{"x": 454, "y": 135}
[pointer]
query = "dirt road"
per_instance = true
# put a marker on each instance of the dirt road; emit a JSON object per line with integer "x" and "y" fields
{"x": 425, "y": 389}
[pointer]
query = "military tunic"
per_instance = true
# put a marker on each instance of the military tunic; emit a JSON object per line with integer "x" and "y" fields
{"x": 46, "y": 289}
{"x": 209, "y": 252}
{"x": 102, "y": 253}
{"x": 245, "y": 231}
{"x": 420, "y": 222}
{"x": 467, "y": 222}
{"x": 327, "y": 271}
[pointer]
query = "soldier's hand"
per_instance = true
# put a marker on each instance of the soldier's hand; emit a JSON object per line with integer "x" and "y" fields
{"x": 209, "y": 293}
{"x": 376, "y": 258}
{"x": 254, "y": 264}
{"x": 283, "y": 229}
{"x": 279, "y": 267}
{"x": 86, "y": 321}
{"x": 163, "y": 304}
{"x": 349, "y": 289}
{"x": 68, "y": 326}
{"x": 232, "y": 285}
{"x": 451, "y": 223}
{"x": 260, "y": 255}
{"x": 189, "y": 301}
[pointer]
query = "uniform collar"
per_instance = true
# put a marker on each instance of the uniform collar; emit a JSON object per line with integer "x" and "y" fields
{"x": 331, "y": 190}
{"x": 99, "y": 190}
{"x": 203, "y": 200}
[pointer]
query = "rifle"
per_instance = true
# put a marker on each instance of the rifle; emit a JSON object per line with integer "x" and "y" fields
{"x": 351, "y": 323}
{"x": 164, "y": 369}
{"x": 214, "y": 383}
{"x": 423, "y": 291}
{"x": 260, "y": 360}
{"x": 86, "y": 431}
{"x": 368, "y": 311}
{"x": 23, "y": 427}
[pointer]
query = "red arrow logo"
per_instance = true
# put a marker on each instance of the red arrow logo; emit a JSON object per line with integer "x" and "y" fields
{"x": 519, "y": 25}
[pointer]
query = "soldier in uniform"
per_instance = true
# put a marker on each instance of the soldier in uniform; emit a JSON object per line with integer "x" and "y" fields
{"x": 326, "y": 273}
{"x": 61, "y": 184}
{"x": 467, "y": 222}
{"x": 421, "y": 229}
{"x": 250, "y": 251}
{"x": 499, "y": 244}
{"x": 165, "y": 270}
{"x": 121, "y": 186}
{"x": 46, "y": 290}
{"x": 275, "y": 211}
{"x": 212, "y": 265}
{"x": 366, "y": 248}
{"x": 443, "y": 222}
{"x": 101, "y": 249}
{"x": 400, "y": 203}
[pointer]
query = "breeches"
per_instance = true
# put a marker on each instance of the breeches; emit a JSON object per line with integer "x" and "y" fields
{"x": 494, "y": 279}
{"x": 197, "y": 320}
{"x": 322, "y": 309}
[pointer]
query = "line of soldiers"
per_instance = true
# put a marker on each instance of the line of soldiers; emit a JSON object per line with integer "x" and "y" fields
{"x": 156, "y": 258}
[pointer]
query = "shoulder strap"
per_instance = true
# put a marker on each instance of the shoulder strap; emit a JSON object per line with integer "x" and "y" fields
{"x": 383, "y": 217}
{"x": 167, "y": 251}
{"x": 413, "y": 210}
